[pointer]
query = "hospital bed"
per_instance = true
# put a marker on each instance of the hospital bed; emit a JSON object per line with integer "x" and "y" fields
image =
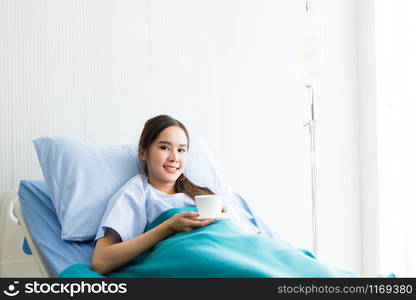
{"x": 32, "y": 211}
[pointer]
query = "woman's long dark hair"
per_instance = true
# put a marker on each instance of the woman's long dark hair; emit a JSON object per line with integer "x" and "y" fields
{"x": 152, "y": 128}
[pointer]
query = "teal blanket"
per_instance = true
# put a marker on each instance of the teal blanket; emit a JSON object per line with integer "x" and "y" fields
{"x": 220, "y": 249}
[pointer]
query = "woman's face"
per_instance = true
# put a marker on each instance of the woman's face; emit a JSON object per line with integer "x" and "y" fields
{"x": 167, "y": 155}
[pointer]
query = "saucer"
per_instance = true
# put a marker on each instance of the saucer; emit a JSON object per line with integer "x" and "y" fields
{"x": 222, "y": 216}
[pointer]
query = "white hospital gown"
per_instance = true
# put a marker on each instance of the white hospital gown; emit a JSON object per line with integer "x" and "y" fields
{"x": 138, "y": 203}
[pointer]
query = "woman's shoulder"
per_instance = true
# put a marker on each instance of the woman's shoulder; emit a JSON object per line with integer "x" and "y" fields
{"x": 133, "y": 184}
{"x": 136, "y": 180}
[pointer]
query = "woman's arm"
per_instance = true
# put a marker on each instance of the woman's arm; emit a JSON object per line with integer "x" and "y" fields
{"x": 111, "y": 253}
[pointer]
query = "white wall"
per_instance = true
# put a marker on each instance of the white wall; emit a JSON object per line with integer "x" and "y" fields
{"x": 369, "y": 151}
{"x": 98, "y": 70}
{"x": 396, "y": 93}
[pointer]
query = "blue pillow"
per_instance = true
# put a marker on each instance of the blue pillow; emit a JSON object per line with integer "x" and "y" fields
{"x": 82, "y": 177}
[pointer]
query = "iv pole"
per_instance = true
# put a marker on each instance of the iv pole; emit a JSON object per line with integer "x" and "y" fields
{"x": 312, "y": 132}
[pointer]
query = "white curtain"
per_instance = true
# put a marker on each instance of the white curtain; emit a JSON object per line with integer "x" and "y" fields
{"x": 395, "y": 36}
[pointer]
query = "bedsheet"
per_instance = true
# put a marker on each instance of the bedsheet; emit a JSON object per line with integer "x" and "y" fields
{"x": 221, "y": 250}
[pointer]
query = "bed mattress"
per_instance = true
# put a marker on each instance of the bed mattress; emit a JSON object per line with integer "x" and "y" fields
{"x": 43, "y": 225}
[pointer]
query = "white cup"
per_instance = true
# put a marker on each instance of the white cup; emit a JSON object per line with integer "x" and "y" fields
{"x": 209, "y": 206}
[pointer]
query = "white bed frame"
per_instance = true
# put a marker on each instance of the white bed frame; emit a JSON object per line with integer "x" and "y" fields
{"x": 13, "y": 261}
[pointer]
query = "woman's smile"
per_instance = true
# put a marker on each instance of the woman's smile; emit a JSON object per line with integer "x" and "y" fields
{"x": 170, "y": 169}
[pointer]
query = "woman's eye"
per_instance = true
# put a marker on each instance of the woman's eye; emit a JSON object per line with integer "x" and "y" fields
{"x": 165, "y": 147}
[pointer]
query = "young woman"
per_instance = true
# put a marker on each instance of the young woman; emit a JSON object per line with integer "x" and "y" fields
{"x": 163, "y": 147}
{"x": 224, "y": 249}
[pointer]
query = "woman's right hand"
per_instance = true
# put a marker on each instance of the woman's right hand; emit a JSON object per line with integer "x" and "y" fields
{"x": 185, "y": 221}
